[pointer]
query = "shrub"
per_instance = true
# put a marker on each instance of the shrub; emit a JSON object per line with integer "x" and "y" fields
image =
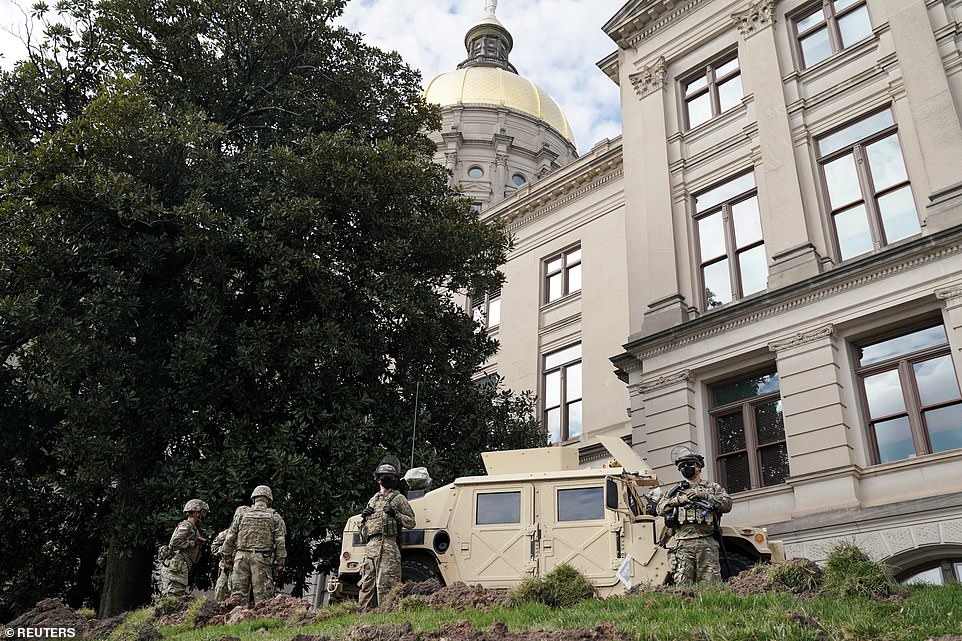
{"x": 562, "y": 587}
{"x": 850, "y": 572}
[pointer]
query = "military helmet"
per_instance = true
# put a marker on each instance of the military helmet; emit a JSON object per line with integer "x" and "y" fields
{"x": 683, "y": 454}
{"x": 196, "y": 505}
{"x": 262, "y": 490}
{"x": 385, "y": 469}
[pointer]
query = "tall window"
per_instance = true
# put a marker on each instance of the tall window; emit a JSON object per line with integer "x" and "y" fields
{"x": 731, "y": 251}
{"x": 749, "y": 433}
{"x": 487, "y": 311}
{"x": 867, "y": 187}
{"x": 562, "y": 274}
{"x": 562, "y": 393}
{"x": 830, "y": 26}
{"x": 711, "y": 90}
{"x": 911, "y": 393}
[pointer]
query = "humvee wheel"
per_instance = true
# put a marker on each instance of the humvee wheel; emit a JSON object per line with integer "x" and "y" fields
{"x": 415, "y": 572}
{"x": 738, "y": 562}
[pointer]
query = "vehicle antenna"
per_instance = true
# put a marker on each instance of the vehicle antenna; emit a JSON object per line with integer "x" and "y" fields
{"x": 417, "y": 393}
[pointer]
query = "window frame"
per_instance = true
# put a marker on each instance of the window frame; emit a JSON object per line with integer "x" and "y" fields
{"x": 485, "y": 309}
{"x": 752, "y": 448}
{"x": 732, "y": 251}
{"x": 869, "y": 194}
{"x": 564, "y": 270}
{"x": 903, "y": 363}
{"x": 831, "y": 24}
{"x": 564, "y": 402}
{"x": 708, "y": 72}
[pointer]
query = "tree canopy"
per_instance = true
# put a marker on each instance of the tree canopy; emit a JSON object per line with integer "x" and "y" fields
{"x": 226, "y": 259}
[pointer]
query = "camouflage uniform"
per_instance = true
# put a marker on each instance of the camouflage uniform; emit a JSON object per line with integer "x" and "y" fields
{"x": 382, "y": 557}
{"x": 175, "y": 570}
{"x": 222, "y": 588}
{"x": 695, "y": 557}
{"x": 256, "y": 542}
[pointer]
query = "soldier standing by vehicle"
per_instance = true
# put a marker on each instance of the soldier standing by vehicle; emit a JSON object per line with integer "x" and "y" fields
{"x": 222, "y": 587}
{"x": 693, "y": 508}
{"x": 255, "y": 547}
{"x": 178, "y": 556}
{"x": 385, "y": 515}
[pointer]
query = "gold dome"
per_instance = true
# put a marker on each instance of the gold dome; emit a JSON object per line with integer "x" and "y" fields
{"x": 483, "y": 85}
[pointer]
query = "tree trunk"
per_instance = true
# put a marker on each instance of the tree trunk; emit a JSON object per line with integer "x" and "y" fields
{"x": 127, "y": 573}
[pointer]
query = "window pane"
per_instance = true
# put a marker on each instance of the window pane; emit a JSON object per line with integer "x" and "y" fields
{"x": 574, "y": 419}
{"x": 855, "y": 132}
{"x": 696, "y": 85}
{"x": 494, "y": 312}
{"x": 554, "y": 265}
{"x": 841, "y": 5}
{"x": 747, "y": 388}
{"x": 554, "y": 287}
{"x": 711, "y": 236}
{"x": 816, "y": 47}
{"x": 936, "y": 380}
{"x": 854, "y": 238}
{"x": 945, "y": 427}
{"x": 562, "y": 356}
{"x": 718, "y": 286}
{"x": 810, "y": 21}
{"x": 726, "y": 68}
{"x": 724, "y": 192}
{"x": 499, "y": 507}
{"x": 905, "y": 344}
{"x": 898, "y": 214}
{"x": 774, "y": 464}
{"x": 884, "y": 394}
{"x": 754, "y": 270}
{"x": 552, "y": 389}
{"x": 931, "y": 576}
{"x": 748, "y": 227}
{"x": 885, "y": 159}
{"x": 699, "y": 110}
{"x": 573, "y": 257}
{"x": 573, "y": 382}
{"x": 553, "y": 419}
{"x": 842, "y": 180}
{"x": 894, "y": 440}
{"x": 731, "y": 432}
{"x": 574, "y": 278}
{"x": 735, "y": 476}
{"x": 582, "y": 504}
{"x": 769, "y": 424}
{"x": 855, "y": 26}
{"x": 730, "y": 93}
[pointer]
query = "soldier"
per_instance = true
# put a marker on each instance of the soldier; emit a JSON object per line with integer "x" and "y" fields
{"x": 693, "y": 508}
{"x": 222, "y": 588}
{"x": 386, "y": 513}
{"x": 255, "y": 548}
{"x": 186, "y": 544}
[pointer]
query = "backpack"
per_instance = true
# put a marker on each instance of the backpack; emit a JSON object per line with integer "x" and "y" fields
{"x": 164, "y": 553}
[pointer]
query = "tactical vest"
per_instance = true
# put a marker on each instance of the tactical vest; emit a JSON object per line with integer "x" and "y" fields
{"x": 694, "y": 515}
{"x": 256, "y": 530}
{"x": 380, "y": 523}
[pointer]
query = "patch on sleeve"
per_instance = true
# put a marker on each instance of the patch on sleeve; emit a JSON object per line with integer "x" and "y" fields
{"x": 183, "y": 526}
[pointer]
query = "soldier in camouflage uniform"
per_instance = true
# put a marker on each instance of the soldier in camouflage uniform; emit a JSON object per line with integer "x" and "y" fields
{"x": 222, "y": 588}
{"x": 699, "y": 505}
{"x": 386, "y": 513}
{"x": 186, "y": 544}
{"x": 255, "y": 547}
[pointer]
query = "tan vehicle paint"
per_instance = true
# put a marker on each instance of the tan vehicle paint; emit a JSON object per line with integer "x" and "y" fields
{"x": 536, "y": 509}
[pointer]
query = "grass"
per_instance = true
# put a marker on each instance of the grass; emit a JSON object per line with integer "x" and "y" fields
{"x": 715, "y": 615}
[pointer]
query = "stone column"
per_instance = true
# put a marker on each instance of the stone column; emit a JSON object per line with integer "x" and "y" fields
{"x": 951, "y": 297}
{"x": 933, "y": 110}
{"x": 636, "y": 412}
{"x": 655, "y": 302}
{"x": 669, "y": 406}
{"x": 791, "y": 254}
{"x": 821, "y": 457}
{"x": 500, "y": 176}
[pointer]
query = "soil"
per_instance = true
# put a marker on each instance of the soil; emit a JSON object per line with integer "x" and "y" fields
{"x": 281, "y": 607}
{"x": 464, "y": 631}
{"x": 752, "y": 581}
{"x": 457, "y": 596}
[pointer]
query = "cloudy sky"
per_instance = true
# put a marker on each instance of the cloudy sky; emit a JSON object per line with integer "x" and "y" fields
{"x": 556, "y": 44}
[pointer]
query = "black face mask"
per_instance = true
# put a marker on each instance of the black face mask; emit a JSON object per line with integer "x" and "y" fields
{"x": 689, "y": 471}
{"x": 389, "y": 482}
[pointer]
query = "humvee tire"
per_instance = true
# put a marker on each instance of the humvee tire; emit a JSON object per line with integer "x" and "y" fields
{"x": 738, "y": 562}
{"x": 416, "y": 572}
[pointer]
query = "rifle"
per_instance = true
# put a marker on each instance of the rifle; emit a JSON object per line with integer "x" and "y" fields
{"x": 671, "y": 519}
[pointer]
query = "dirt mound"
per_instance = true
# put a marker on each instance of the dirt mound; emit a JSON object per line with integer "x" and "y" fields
{"x": 194, "y": 612}
{"x": 457, "y": 596}
{"x": 752, "y": 581}
{"x": 281, "y": 607}
{"x": 53, "y": 613}
{"x": 464, "y": 631}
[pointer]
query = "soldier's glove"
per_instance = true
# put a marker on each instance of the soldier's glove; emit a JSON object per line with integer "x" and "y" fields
{"x": 229, "y": 564}
{"x": 278, "y": 568}
{"x": 390, "y": 511}
{"x": 701, "y": 493}
{"x": 366, "y": 512}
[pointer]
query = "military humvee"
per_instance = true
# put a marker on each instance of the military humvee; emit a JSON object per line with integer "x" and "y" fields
{"x": 535, "y": 509}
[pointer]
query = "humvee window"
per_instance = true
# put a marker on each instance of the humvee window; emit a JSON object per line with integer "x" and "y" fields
{"x": 498, "y": 507}
{"x": 581, "y": 504}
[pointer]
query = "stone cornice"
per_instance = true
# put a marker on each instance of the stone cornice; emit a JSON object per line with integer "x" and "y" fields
{"x": 667, "y": 380}
{"x": 651, "y": 78}
{"x": 946, "y": 293}
{"x": 645, "y": 19}
{"x": 757, "y": 16}
{"x": 804, "y": 338}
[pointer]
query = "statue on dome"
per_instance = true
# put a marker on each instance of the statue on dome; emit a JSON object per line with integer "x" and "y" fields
{"x": 490, "y": 6}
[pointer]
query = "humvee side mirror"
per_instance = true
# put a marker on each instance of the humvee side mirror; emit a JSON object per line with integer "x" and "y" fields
{"x": 611, "y": 494}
